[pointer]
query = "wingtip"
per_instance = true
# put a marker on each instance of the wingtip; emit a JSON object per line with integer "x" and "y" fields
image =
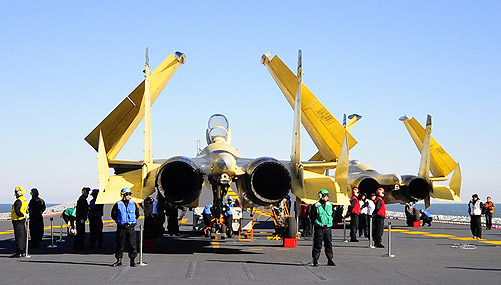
{"x": 266, "y": 57}
{"x": 403, "y": 118}
{"x": 181, "y": 57}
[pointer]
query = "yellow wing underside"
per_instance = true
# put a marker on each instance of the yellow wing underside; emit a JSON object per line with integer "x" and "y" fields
{"x": 325, "y": 131}
{"x": 312, "y": 183}
{"x": 119, "y": 125}
{"x": 442, "y": 163}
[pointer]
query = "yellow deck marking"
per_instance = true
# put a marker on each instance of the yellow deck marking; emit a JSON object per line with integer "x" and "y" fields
{"x": 415, "y": 233}
{"x": 398, "y": 230}
{"x": 463, "y": 238}
{"x": 491, "y": 242}
{"x": 282, "y": 248}
{"x": 439, "y": 235}
{"x": 183, "y": 221}
{"x": 255, "y": 249}
{"x": 215, "y": 243}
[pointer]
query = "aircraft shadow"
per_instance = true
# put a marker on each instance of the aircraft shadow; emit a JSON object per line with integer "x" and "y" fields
{"x": 66, "y": 262}
{"x": 473, "y": 268}
{"x": 259, "y": 262}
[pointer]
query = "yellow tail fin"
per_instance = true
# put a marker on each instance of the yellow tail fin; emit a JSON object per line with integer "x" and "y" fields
{"x": 118, "y": 126}
{"x": 326, "y": 132}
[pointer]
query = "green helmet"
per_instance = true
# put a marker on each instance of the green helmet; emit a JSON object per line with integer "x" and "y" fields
{"x": 323, "y": 192}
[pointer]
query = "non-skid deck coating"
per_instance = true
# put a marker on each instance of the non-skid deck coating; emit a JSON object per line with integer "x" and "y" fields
{"x": 441, "y": 254}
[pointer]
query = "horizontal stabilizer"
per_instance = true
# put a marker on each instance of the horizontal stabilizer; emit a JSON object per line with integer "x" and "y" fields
{"x": 325, "y": 131}
{"x": 441, "y": 163}
{"x": 313, "y": 182}
{"x": 118, "y": 126}
{"x": 444, "y": 193}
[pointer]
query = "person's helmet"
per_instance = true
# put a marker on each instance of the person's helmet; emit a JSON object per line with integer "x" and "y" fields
{"x": 126, "y": 191}
{"x": 323, "y": 193}
{"x": 475, "y": 195}
{"x": 19, "y": 191}
{"x": 94, "y": 192}
{"x": 380, "y": 191}
{"x": 85, "y": 189}
{"x": 34, "y": 192}
{"x": 363, "y": 195}
{"x": 230, "y": 198}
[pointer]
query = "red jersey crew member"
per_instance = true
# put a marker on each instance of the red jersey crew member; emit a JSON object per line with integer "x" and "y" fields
{"x": 322, "y": 217}
{"x": 354, "y": 212}
{"x": 125, "y": 213}
{"x": 379, "y": 216}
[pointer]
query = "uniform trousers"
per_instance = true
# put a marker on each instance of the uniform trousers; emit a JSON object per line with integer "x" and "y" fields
{"x": 322, "y": 234}
{"x": 126, "y": 234}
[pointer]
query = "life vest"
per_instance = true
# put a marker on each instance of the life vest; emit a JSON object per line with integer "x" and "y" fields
{"x": 24, "y": 209}
{"x": 382, "y": 210}
{"x": 95, "y": 211}
{"x": 126, "y": 215}
{"x": 489, "y": 204}
{"x": 475, "y": 208}
{"x": 356, "y": 208}
{"x": 324, "y": 216}
{"x": 207, "y": 209}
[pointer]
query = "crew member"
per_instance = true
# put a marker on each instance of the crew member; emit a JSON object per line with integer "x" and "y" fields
{"x": 36, "y": 207}
{"x": 81, "y": 215}
{"x": 18, "y": 216}
{"x": 490, "y": 207}
{"x": 322, "y": 217}
{"x": 363, "y": 218}
{"x": 207, "y": 215}
{"x": 370, "y": 212}
{"x": 379, "y": 216}
{"x": 354, "y": 212}
{"x": 475, "y": 210}
{"x": 172, "y": 221}
{"x": 95, "y": 220}
{"x": 426, "y": 217}
{"x": 149, "y": 221}
{"x": 228, "y": 216}
{"x": 304, "y": 219}
{"x": 69, "y": 217}
{"x": 125, "y": 213}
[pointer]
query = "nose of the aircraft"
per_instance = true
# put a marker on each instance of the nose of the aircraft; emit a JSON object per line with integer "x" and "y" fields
{"x": 225, "y": 161}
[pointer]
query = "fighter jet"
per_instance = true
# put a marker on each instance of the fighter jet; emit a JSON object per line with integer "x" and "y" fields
{"x": 262, "y": 181}
{"x": 399, "y": 188}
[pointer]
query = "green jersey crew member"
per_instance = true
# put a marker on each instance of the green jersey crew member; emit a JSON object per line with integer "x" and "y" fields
{"x": 322, "y": 217}
{"x": 125, "y": 213}
{"x": 18, "y": 216}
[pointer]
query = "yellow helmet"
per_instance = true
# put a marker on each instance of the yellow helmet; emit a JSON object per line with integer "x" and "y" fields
{"x": 19, "y": 191}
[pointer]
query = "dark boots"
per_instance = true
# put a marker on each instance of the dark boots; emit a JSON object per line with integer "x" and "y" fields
{"x": 117, "y": 263}
{"x": 133, "y": 262}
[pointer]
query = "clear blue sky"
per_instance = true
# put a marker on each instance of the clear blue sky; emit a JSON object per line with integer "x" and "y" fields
{"x": 67, "y": 64}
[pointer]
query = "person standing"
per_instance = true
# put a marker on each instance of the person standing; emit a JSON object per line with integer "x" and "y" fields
{"x": 363, "y": 218}
{"x": 489, "y": 210}
{"x": 125, "y": 213}
{"x": 95, "y": 220}
{"x": 379, "y": 216}
{"x": 354, "y": 212}
{"x": 475, "y": 210}
{"x": 81, "y": 215}
{"x": 322, "y": 217}
{"x": 172, "y": 221}
{"x": 371, "y": 206}
{"x": 18, "y": 216}
{"x": 36, "y": 207}
{"x": 304, "y": 219}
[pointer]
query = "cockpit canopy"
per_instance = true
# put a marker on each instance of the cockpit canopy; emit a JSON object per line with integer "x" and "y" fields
{"x": 218, "y": 129}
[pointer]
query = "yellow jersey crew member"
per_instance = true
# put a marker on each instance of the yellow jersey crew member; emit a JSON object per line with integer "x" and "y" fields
{"x": 322, "y": 218}
{"x": 18, "y": 216}
{"x": 125, "y": 213}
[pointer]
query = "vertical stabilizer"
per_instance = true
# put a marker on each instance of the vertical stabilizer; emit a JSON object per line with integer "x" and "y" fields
{"x": 424, "y": 168}
{"x": 343, "y": 164}
{"x": 103, "y": 168}
{"x": 296, "y": 136}
{"x": 455, "y": 183}
{"x": 148, "y": 154}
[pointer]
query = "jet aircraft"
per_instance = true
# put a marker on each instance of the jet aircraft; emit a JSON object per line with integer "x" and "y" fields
{"x": 260, "y": 181}
{"x": 399, "y": 189}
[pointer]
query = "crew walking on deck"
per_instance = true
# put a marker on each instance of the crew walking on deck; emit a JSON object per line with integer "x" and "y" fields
{"x": 475, "y": 209}
{"x": 489, "y": 210}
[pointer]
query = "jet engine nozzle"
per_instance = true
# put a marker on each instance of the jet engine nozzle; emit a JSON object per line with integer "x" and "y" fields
{"x": 267, "y": 181}
{"x": 416, "y": 187}
{"x": 365, "y": 184}
{"x": 179, "y": 180}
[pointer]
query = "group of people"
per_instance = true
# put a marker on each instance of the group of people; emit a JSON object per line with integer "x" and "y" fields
{"x": 413, "y": 215}
{"x": 83, "y": 211}
{"x": 21, "y": 210}
{"x": 208, "y": 216}
{"x": 322, "y": 217}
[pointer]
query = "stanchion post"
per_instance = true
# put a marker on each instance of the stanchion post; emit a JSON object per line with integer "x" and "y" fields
{"x": 52, "y": 245}
{"x": 370, "y": 233}
{"x": 141, "y": 262}
{"x": 61, "y": 230}
{"x": 27, "y": 224}
{"x": 389, "y": 240}
{"x": 344, "y": 230}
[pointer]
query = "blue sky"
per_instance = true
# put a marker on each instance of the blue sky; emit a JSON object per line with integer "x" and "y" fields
{"x": 67, "y": 64}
